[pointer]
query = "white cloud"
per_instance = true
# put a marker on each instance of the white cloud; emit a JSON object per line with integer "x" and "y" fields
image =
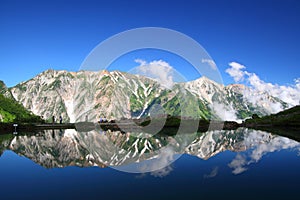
{"x": 159, "y": 70}
{"x": 236, "y": 71}
{"x": 210, "y": 62}
{"x": 263, "y": 99}
{"x": 297, "y": 83}
{"x": 225, "y": 112}
{"x": 288, "y": 94}
{"x": 141, "y": 62}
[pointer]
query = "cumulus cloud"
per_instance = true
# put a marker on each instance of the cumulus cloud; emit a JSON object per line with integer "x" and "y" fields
{"x": 225, "y": 112}
{"x": 297, "y": 83}
{"x": 236, "y": 71}
{"x": 288, "y": 94}
{"x": 141, "y": 62}
{"x": 159, "y": 70}
{"x": 263, "y": 99}
{"x": 210, "y": 62}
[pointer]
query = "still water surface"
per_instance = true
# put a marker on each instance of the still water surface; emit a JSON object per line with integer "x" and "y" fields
{"x": 240, "y": 164}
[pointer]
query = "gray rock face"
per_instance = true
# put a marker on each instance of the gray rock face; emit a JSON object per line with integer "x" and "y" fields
{"x": 78, "y": 96}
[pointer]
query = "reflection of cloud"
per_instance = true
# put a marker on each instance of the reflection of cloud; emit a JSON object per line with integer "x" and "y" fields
{"x": 140, "y": 176}
{"x": 162, "y": 172}
{"x": 276, "y": 144}
{"x": 71, "y": 133}
{"x": 213, "y": 173}
{"x": 160, "y": 166}
{"x": 288, "y": 94}
{"x": 238, "y": 164}
{"x": 210, "y": 62}
{"x": 261, "y": 143}
{"x": 159, "y": 70}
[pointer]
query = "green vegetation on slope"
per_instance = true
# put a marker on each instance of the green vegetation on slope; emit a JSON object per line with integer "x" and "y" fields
{"x": 289, "y": 117}
{"x": 11, "y": 111}
{"x": 2, "y": 87}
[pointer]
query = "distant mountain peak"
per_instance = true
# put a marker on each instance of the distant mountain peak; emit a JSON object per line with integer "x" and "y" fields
{"x": 115, "y": 94}
{"x": 236, "y": 87}
{"x": 3, "y": 87}
{"x": 4, "y": 90}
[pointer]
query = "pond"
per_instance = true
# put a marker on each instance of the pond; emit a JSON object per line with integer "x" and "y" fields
{"x": 65, "y": 164}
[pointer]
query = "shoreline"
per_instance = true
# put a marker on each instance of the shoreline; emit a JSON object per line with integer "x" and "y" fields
{"x": 128, "y": 124}
{"x": 292, "y": 132}
{"x": 131, "y": 126}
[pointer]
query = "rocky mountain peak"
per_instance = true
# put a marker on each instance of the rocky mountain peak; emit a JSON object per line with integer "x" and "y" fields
{"x": 78, "y": 96}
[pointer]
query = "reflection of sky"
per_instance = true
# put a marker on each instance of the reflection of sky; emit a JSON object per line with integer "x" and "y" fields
{"x": 270, "y": 162}
{"x": 23, "y": 177}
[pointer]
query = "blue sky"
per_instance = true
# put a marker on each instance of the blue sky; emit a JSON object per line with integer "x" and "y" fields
{"x": 262, "y": 35}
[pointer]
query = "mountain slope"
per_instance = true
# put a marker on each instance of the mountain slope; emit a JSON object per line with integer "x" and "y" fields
{"x": 81, "y": 95}
{"x": 12, "y": 111}
{"x": 84, "y": 95}
{"x": 4, "y": 90}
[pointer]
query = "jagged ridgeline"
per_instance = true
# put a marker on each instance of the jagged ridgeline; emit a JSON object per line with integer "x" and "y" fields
{"x": 11, "y": 110}
{"x": 79, "y": 95}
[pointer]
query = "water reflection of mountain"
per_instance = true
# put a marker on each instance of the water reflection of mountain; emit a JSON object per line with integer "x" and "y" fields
{"x": 70, "y": 148}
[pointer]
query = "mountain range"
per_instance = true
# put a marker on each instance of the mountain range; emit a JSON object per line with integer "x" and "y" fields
{"x": 86, "y": 95}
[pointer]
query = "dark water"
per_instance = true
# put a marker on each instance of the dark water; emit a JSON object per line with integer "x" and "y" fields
{"x": 241, "y": 164}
